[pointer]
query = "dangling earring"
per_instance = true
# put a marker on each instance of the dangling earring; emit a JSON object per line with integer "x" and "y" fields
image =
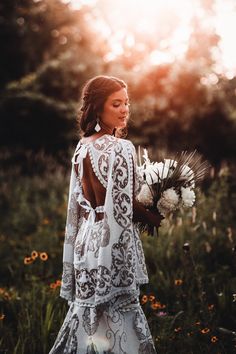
{"x": 97, "y": 126}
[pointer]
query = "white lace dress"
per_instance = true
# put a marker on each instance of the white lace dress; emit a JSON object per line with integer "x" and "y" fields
{"x": 103, "y": 261}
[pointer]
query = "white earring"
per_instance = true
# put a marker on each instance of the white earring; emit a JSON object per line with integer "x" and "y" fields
{"x": 97, "y": 126}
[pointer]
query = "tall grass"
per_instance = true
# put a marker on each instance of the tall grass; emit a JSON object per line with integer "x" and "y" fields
{"x": 189, "y": 302}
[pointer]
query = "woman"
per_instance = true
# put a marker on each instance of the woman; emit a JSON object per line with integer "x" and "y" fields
{"x": 103, "y": 260}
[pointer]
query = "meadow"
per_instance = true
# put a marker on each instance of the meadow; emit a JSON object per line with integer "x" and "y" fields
{"x": 190, "y": 302}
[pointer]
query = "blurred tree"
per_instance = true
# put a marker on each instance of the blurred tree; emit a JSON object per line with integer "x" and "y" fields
{"x": 35, "y": 31}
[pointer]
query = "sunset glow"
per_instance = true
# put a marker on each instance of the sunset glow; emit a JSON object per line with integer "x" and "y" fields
{"x": 162, "y": 29}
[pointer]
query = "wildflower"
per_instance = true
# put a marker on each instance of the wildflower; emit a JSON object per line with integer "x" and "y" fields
{"x": 161, "y": 314}
{"x": 34, "y": 255}
{"x": 214, "y": 339}
{"x": 156, "y": 305}
{"x": 53, "y": 285}
{"x": 2, "y": 316}
{"x": 46, "y": 221}
{"x": 28, "y": 260}
{"x": 178, "y": 282}
{"x": 43, "y": 256}
{"x": 210, "y": 307}
{"x": 58, "y": 282}
{"x": 205, "y": 330}
{"x": 151, "y": 298}
{"x": 144, "y": 299}
{"x": 186, "y": 247}
{"x": 178, "y": 329}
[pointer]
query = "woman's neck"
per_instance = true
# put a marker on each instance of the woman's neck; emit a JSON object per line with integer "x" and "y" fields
{"x": 105, "y": 129}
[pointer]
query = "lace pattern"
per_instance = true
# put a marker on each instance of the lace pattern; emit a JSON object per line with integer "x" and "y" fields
{"x": 103, "y": 259}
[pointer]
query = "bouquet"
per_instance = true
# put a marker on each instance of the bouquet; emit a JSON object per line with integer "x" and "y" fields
{"x": 169, "y": 184}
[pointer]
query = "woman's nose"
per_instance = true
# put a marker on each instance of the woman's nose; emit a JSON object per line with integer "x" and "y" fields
{"x": 124, "y": 108}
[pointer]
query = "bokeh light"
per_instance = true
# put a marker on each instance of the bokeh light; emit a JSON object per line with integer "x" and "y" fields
{"x": 162, "y": 30}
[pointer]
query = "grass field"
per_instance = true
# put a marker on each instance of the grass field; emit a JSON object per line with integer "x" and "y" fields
{"x": 190, "y": 302}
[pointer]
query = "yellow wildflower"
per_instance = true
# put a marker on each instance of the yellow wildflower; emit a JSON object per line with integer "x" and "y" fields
{"x": 144, "y": 299}
{"x": 43, "y": 256}
{"x": 214, "y": 339}
{"x": 34, "y": 255}
{"x": 28, "y": 260}
{"x": 205, "y": 330}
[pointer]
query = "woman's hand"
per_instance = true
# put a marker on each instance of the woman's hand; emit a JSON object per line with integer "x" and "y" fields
{"x": 146, "y": 216}
{"x": 154, "y": 217}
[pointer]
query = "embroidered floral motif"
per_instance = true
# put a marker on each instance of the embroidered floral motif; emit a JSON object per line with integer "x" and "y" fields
{"x": 67, "y": 285}
{"x": 122, "y": 264}
{"x": 91, "y": 318}
{"x": 88, "y": 282}
{"x": 99, "y": 237}
{"x": 141, "y": 326}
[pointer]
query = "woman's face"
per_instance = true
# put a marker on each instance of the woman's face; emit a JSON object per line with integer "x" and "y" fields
{"x": 116, "y": 110}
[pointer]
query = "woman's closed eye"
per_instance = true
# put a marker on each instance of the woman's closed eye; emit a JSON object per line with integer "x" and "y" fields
{"x": 118, "y": 104}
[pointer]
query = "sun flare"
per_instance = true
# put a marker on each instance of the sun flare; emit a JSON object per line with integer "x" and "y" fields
{"x": 162, "y": 29}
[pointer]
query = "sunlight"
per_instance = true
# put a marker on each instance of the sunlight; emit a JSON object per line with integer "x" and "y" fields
{"x": 226, "y": 28}
{"x": 162, "y": 29}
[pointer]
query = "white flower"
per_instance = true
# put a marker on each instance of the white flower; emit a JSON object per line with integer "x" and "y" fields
{"x": 161, "y": 170}
{"x": 188, "y": 197}
{"x": 145, "y": 196}
{"x": 170, "y": 164}
{"x": 151, "y": 174}
{"x": 168, "y": 201}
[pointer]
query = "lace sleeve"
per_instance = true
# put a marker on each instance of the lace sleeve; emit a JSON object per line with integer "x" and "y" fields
{"x": 71, "y": 229}
{"x": 137, "y": 175}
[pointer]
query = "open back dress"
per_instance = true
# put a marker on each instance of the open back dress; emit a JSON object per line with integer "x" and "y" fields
{"x": 103, "y": 260}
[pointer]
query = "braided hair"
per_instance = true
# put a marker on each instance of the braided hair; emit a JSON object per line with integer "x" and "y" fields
{"x": 94, "y": 94}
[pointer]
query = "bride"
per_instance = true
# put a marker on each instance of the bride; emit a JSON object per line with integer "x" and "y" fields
{"x": 103, "y": 260}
